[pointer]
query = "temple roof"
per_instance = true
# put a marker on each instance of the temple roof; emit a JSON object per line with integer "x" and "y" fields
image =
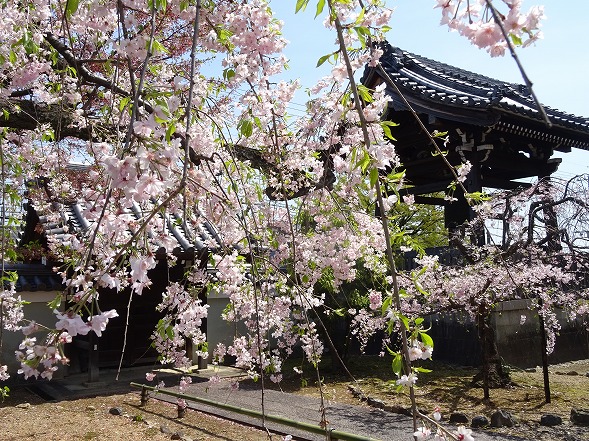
{"x": 454, "y": 94}
{"x": 75, "y": 216}
{"x": 35, "y": 277}
{"x": 183, "y": 238}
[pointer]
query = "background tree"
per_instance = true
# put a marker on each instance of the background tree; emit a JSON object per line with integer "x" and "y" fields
{"x": 537, "y": 253}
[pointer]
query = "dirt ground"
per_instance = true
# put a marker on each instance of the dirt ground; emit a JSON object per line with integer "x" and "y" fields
{"x": 25, "y": 416}
{"x": 89, "y": 419}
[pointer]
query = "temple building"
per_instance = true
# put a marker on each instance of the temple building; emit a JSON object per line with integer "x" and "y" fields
{"x": 495, "y": 125}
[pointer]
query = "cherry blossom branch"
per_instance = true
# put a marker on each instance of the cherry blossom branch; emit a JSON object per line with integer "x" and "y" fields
{"x": 520, "y": 66}
{"x": 389, "y": 251}
{"x": 82, "y": 70}
{"x": 139, "y": 90}
{"x": 191, "y": 90}
{"x": 3, "y": 242}
{"x": 256, "y": 277}
{"x": 438, "y": 426}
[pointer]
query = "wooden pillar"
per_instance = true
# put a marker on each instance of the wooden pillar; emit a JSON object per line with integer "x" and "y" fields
{"x": 93, "y": 371}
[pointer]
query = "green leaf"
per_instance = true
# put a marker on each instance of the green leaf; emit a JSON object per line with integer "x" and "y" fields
{"x": 373, "y": 177}
{"x": 360, "y": 18}
{"x": 157, "y": 47}
{"x": 386, "y": 128}
{"x": 426, "y": 339}
{"x": 364, "y": 162}
{"x": 9, "y": 276}
{"x": 397, "y": 364}
{"x": 170, "y": 130}
{"x": 387, "y": 133}
{"x": 55, "y": 303}
{"x": 405, "y": 321}
{"x": 477, "y": 197}
{"x": 364, "y": 93}
{"x": 320, "y": 6}
{"x": 123, "y": 103}
{"x": 245, "y": 127}
{"x": 28, "y": 43}
{"x": 516, "y": 39}
{"x": 421, "y": 369}
{"x": 420, "y": 288}
{"x": 390, "y": 351}
{"x": 71, "y": 7}
{"x": 170, "y": 332}
{"x": 48, "y": 135}
{"x": 161, "y": 5}
{"x": 323, "y": 59}
{"x": 396, "y": 177}
{"x": 362, "y": 32}
{"x": 386, "y": 303}
{"x": 228, "y": 74}
{"x": 301, "y": 5}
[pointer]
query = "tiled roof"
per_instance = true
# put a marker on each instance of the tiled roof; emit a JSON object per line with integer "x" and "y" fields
{"x": 35, "y": 277}
{"x": 448, "y": 92}
{"x": 185, "y": 238}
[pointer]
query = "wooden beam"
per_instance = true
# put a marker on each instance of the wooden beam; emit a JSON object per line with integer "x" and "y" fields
{"x": 504, "y": 184}
{"x": 426, "y": 200}
{"x": 433, "y": 187}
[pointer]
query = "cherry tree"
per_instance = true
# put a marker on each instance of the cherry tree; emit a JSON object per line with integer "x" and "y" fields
{"x": 535, "y": 251}
{"x": 176, "y": 109}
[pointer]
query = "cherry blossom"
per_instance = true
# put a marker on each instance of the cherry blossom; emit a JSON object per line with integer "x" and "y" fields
{"x": 4, "y": 375}
{"x": 71, "y": 323}
{"x": 464, "y": 434}
{"x": 475, "y": 21}
{"x": 407, "y": 380}
{"x": 98, "y": 322}
{"x": 422, "y": 433}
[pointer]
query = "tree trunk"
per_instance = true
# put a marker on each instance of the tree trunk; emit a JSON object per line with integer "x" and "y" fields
{"x": 492, "y": 374}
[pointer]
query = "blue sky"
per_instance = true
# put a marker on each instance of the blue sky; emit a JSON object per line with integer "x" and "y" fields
{"x": 558, "y": 65}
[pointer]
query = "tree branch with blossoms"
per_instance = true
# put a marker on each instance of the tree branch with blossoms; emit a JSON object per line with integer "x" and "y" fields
{"x": 167, "y": 142}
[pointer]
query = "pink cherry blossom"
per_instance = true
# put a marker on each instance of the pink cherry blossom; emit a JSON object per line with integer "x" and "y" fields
{"x": 407, "y": 380}
{"x": 464, "y": 434}
{"x": 98, "y": 322}
{"x": 71, "y": 323}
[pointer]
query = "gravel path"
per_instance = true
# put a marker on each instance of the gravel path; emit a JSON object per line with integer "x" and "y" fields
{"x": 359, "y": 420}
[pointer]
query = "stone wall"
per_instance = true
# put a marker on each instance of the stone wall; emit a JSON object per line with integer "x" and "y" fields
{"x": 520, "y": 344}
{"x": 36, "y": 309}
{"x": 456, "y": 339}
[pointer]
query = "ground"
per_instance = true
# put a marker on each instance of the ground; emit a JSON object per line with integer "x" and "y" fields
{"x": 448, "y": 387}
{"x": 89, "y": 419}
